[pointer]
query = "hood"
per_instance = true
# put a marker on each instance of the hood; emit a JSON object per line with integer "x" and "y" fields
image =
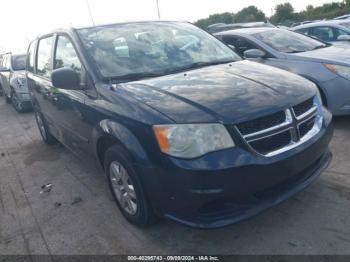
{"x": 333, "y": 54}
{"x": 228, "y": 93}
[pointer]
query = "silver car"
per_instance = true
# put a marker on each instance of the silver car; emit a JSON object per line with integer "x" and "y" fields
{"x": 326, "y": 65}
{"x": 333, "y": 31}
{"x": 13, "y": 81}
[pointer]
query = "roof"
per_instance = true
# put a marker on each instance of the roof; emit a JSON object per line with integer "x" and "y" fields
{"x": 321, "y": 23}
{"x": 70, "y": 29}
{"x": 215, "y": 28}
{"x": 248, "y": 31}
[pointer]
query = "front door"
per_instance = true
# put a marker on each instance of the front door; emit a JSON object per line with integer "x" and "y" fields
{"x": 70, "y": 109}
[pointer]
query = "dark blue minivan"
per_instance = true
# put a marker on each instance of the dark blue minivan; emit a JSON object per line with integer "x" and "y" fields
{"x": 182, "y": 126}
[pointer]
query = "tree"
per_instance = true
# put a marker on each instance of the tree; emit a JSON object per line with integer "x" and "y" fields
{"x": 249, "y": 14}
{"x": 284, "y": 12}
{"x": 214, "y": 19}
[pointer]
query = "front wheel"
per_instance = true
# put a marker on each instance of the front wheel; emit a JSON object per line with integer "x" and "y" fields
{"x": 44, "y": 132}
{"x": 126, "y": 187}
{"x": 16, "y": 103}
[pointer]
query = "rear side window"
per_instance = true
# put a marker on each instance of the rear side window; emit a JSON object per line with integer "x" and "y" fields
{"x": 324, "y": 33}
{"x": 31, "y": 57}
{"x": 44, "y": 57}
{"x": 18, "y": 62}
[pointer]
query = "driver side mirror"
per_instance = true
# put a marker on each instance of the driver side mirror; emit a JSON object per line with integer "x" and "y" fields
{"x": 65, "y": 78}
{"x": 254, "y": 53}
{"x": 343, "y": 38}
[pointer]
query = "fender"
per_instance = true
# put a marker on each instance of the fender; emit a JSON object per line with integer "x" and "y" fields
{"x": 322, "y": 90}
{"x": 124, "y": 136}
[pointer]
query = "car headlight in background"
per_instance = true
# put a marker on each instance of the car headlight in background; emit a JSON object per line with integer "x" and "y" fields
{"x": 21, "y": 81}
{"x": 192, "y": 140}
{"x": 343, "y": 71}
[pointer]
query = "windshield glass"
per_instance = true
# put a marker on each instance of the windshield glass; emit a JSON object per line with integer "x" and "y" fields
{"x": 136, "y": 50}
{"x": 18, "y": 62}
{"x": 288, "y": 42}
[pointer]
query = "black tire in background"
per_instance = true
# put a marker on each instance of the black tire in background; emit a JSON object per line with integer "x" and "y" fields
{"x": 16, "y": 103}
{"x": 44, "y": 131}
{"x": 144, "y": 214}
{"x": 8, "y": 99}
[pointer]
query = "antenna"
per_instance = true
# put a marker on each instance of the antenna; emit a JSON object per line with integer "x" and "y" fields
{"x": 158, "y": 9}
{"x": 90, "y": 13}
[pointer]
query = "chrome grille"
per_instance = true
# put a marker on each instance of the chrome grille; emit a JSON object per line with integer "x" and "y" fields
{"x": 284, "y": 130}
{"x": 262, "y": 123}
{"x": 303, "y": 107}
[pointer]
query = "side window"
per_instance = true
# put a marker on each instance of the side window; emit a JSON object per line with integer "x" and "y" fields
{"x": 304, "y": 31}
{"x": 324, "y": 33}
{"x": 8, "y": 62}
{"x": 44, "y": 57}
{"x": 338, "y": 32}
{"x": 3, "y": 64}
{"x": 241, "y": 45}
{"x": 31, "y": 57}
{"x": 66, "y": 56}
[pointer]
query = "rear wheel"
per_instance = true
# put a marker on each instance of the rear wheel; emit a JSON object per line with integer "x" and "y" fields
{"x": 126, "y": 187}
{"x": 44, "y": 132}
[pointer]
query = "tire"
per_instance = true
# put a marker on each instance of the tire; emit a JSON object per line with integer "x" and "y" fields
{"x": 116, "y": 158}
{"x": 16, "y": 103}
{"x": 44, "y": 131}
{"x": 8, "y": 99}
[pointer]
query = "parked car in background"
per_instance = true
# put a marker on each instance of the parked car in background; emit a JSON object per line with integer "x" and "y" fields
{"x": 13, "y": 81}
{"x": 1, "y": 56}
{"x": 304, "y": 23}
{"x": 183, "y": 128}
{"x": 326, "y": 65}
{"x": 215, "y": 28}
{"x": 333, "y": 31}
{"x": 343, "y": 17}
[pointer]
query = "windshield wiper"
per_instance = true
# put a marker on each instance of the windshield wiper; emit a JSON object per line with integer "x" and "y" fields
{"x": 134, "y": 76}
{"x": 204, "y": 64}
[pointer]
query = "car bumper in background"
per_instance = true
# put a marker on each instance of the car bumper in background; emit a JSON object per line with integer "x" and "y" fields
{"x": 337, "y": 92}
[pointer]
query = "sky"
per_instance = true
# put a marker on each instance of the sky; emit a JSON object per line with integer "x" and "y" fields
{"x": 22, "y": 20}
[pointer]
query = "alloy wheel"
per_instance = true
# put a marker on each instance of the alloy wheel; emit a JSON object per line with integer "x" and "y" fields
{"x": 16, "y": 102}
{"x": 123, "y": 187}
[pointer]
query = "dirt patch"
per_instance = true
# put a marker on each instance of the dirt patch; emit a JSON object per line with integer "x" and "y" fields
{"x": 37, "y": 151}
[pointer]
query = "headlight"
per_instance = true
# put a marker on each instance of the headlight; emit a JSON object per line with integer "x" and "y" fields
{"x": 192, "y": 140}
{"x": 343, "y": 71}
{"x": 21, "y": 81}
{"x": 318, "y": 99}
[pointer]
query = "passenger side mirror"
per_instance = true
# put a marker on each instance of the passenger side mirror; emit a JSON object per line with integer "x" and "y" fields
{"x": 254, "y": 53}
{"x": 65, "y": 78}
{"x": 343, "y": 38}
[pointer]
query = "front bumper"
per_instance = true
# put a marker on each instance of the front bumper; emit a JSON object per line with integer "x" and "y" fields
{"x": 226, "y": 187}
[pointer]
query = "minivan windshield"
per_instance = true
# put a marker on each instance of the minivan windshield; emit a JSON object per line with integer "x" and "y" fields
{"x": 136, "y": 50}
{"x": 18, "y": 62}
{"x": 288, "y": 42}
